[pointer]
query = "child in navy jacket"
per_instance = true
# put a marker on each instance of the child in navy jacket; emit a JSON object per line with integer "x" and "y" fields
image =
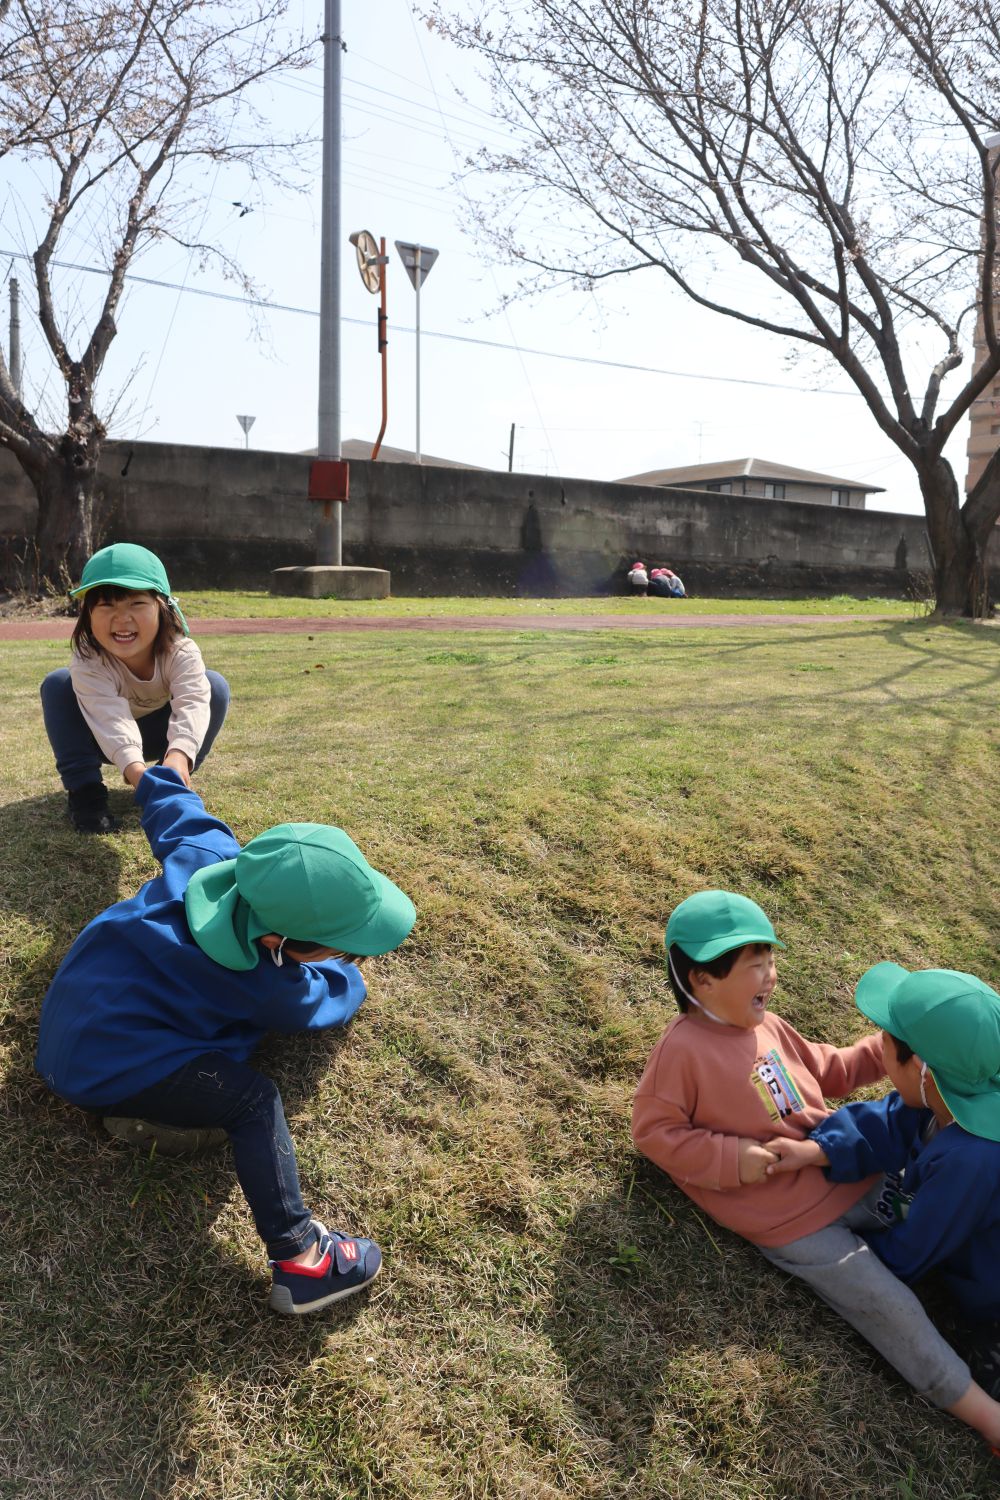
{"x": 160, "y": 1002}
{"x": 937, "y": 1139}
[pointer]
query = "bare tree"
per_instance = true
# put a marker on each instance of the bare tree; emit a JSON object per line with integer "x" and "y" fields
{"x": 836, "y": 147}
{"x": 119, "y": 107}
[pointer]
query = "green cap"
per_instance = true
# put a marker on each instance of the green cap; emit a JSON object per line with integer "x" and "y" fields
{"x": 300, "y": 880}
{"x": 952, "y": 1022}
{"x": 714, "y": 922}
{"x": 124, "y": 565}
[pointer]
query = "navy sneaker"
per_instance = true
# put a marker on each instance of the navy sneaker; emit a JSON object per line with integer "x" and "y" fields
{"x": 346, "y": 1264}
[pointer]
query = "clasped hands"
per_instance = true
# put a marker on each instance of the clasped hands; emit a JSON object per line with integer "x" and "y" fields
{"x": 758, "y": 1160}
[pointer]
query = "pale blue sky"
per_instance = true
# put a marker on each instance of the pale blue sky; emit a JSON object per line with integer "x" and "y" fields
{"x": 194, "y": 361}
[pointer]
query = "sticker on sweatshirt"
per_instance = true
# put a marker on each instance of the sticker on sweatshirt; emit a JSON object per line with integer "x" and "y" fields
{"x": 774, "y": 1083}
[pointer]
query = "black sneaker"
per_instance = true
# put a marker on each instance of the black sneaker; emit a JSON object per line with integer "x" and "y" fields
{"x": 88, "y": 809}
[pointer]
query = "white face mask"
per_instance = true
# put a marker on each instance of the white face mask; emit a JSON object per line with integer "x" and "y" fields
{"x": 688, "y": 995}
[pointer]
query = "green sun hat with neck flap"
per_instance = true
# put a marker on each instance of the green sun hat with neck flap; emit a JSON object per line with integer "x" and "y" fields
{"x": 951, "y": 1021}
{"x": 711, "y": 923}
{"x": 300, "y": 880}
{"x": 126, "y": 565}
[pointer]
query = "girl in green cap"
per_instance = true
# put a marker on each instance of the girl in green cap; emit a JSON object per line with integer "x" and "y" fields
{"x": 136, "y": 688}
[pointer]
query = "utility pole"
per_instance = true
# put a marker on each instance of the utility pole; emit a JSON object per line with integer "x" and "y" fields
{"x": 15, "y": 337}
{"x": 329, "y": 472}
{"x": 328, "y": 532}
{"x": 510, "y": 451}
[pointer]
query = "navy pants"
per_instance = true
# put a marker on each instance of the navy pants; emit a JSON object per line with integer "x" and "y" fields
{"x": 78, "y": 755}
{"x": 214, "y": 1091}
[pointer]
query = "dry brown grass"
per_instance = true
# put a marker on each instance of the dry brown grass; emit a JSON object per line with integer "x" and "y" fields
{"x": 554, "y": 1319}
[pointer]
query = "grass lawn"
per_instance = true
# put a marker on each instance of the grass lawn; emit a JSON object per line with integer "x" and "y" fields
{"x": 554, "y": 1318}
{"x": 256, "y": 605}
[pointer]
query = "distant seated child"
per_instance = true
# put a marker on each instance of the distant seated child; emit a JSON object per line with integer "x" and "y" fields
{"x": 938, "y": 1139}
{"x": 724, "y": 1080}
{"x": 666, "y": 584}
{"x": 158, "y": 1006}
{"x": 638, "y": 578}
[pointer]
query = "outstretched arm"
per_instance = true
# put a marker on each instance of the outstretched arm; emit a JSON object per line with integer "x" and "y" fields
{"x": 174, "y": 816}
{"x": 873, "y": 1135}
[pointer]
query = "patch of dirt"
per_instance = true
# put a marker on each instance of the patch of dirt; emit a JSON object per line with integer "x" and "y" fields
{"x": 54, "y": 629}
{"x": 21, "y": 605}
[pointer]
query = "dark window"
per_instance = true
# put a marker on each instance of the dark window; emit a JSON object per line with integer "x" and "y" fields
{"x": 840, "y": 497}
{"x": 773, "y": 491}
{"x": 721, "y": 487}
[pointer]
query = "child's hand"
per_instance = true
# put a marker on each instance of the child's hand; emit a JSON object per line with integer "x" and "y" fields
{"x": 178, "y": 761}
{"x": 794, "y": 1155}
{"x": 754, "y": 1160}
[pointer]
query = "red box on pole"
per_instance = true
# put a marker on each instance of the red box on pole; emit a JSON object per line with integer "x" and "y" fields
{"x": 328, "y": 479}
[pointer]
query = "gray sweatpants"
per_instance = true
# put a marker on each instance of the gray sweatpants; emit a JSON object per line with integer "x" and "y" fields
{"x": 841, "y": 1269}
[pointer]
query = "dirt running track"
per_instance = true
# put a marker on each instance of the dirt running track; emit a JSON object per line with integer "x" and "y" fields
{"x": 60, "y": 629}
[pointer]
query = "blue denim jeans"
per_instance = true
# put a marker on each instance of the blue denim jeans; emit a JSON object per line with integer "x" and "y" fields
{"x": 215, "y": 1091}
{"x": 79, "y": 757}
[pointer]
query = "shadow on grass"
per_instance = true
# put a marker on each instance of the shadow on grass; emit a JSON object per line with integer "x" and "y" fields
{"x": 692, "y": 1362}
{"x": 133, "y": 1289}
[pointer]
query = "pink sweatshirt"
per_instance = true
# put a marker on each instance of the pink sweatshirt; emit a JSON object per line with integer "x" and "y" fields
{"x": 705, "y": 1085}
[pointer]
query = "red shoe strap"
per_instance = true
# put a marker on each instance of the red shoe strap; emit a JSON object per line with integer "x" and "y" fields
{"x": 295, "y": 1268}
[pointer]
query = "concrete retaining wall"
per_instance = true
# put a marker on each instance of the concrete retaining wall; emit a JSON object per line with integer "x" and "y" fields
{"x": 226, "y": 517}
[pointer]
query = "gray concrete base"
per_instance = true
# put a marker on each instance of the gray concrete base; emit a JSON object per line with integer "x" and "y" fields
{"x": 321, "y": 582}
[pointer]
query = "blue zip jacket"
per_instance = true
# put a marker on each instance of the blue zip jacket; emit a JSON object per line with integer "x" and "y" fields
{"x": 943, "y": 1191}
{"x": 135, "y": 998}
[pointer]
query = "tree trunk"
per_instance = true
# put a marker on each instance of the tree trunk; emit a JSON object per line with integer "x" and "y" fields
{"x": 64, "y": 535}
{"x": 958, "y": 554}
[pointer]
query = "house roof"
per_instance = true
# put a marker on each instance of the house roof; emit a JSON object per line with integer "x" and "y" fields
{"x": 745, "y": 468}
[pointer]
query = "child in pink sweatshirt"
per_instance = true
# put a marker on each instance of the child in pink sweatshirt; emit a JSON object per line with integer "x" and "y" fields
{"x": 725, "y": 1077}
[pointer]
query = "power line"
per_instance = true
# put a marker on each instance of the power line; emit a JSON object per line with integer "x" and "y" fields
{"x": 453, "y": 338}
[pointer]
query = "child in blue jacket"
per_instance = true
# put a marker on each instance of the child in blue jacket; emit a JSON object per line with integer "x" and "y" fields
{"x": 157, "y": 1007}
{"x": 937, "y": 1139}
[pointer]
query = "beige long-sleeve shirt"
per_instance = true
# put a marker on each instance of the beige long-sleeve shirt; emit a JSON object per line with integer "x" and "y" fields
{"x": 111, "y": 699}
